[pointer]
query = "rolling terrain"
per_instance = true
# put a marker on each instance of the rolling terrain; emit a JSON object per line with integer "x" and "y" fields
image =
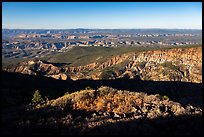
{"x": 98, "y": 90}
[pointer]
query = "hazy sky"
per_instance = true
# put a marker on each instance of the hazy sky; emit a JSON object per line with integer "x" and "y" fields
{"x": 66, "y": 15}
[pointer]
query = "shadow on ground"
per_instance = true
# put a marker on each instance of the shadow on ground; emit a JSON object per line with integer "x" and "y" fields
{"x": 179, "y": 125}
{"x": 25, "y": 84}
{"x": 19, "y": 88}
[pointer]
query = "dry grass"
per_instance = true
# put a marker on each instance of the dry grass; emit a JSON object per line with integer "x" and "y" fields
{"x": 104, "y": 99}
{"x": 109, "y": 100}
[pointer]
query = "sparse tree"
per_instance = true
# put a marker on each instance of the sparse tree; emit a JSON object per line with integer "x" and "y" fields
{"x": 37, "y": 98}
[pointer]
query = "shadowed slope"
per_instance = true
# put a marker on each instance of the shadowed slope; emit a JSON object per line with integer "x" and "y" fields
{"x": 58, "y": 117}
{"x": 173, "y": 89}
{"x": 55, "y": 88}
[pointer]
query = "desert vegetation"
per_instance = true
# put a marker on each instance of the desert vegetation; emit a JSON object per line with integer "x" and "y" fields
{"x": 88, "y": 110}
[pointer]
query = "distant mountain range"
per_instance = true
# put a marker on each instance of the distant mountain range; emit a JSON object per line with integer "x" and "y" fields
{"x": 13, "y": 32}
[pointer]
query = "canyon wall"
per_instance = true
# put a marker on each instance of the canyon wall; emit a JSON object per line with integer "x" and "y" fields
{"x": 179, "y": 64}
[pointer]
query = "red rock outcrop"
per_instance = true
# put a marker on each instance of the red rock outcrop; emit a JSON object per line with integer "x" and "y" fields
{"x": 182, "y": 64}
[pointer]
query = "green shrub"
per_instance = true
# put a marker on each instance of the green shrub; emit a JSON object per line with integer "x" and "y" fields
{"x": 170, "y": 65}
{"x": 37, "y": 98}
{"x": 142, "y": 64}
{"x": 159, "y": 96}
{"x": 88, "y": 88}
{"x": 165, "y": 98}
{"x": 162, "y": 97}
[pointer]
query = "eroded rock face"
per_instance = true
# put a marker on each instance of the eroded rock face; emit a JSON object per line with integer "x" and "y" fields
{"x": 167, "y": 65}
{"x": 81, "y": 68}
{"x": 109, "y": 62}
{"x": 180, "y": 64}
{"x": 113, "y": 61}
{"x": 49, "y": 69}
{"x": 63, "y": 76}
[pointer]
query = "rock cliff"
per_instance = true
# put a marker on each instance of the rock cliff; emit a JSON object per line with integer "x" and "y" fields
{"x": 179, "y": 64}
{"x": 168, "y": 65}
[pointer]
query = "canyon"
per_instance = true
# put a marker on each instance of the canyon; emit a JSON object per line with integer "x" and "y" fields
{"x": 177, "y": 64}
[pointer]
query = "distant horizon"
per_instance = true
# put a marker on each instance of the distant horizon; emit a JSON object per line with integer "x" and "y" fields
{"x": 98, "y": 28}
{"x": 102, "y": 15}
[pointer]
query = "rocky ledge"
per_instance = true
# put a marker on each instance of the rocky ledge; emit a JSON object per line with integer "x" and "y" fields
{"x": 111, "y": 111}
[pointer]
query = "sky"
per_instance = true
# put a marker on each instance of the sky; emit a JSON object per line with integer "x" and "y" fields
{"x": 101, "y": 15}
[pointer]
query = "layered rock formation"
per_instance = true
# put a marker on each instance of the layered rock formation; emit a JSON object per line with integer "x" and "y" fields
{"x": 168, "y": 65}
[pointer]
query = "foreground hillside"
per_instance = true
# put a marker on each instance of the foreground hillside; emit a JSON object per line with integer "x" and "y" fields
{"x": 177, "y": 64}
{"x": 104, "y": 110}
